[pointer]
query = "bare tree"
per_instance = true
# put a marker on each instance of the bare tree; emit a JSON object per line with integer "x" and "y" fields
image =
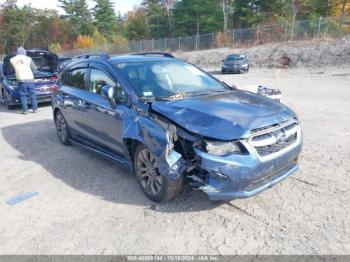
{"x": 169, "y": 6}
{"x": 295, "y": 9}
{"x": 226, "y": 10}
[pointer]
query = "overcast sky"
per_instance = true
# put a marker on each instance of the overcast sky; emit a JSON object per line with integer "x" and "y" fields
{"x": 120, "y": 5}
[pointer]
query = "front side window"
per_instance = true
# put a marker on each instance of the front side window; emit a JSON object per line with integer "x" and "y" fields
{"x": 98, "y": 79}
{"x": 167, "y": 78}
{"x": 74, "y": 78}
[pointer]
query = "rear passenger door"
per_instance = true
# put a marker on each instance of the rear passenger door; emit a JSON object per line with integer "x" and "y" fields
{"x": 73, "y": 94}
{"x": 105, "y": 123}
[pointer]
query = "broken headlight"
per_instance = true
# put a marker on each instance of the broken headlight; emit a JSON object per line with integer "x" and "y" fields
{"x": 222, "y": 148}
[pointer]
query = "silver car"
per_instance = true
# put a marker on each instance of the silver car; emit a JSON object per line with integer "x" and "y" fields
{"x": 235, "y": 63}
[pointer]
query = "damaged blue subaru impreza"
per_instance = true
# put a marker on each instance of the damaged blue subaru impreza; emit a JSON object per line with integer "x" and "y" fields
{"x": 171, "y": 122}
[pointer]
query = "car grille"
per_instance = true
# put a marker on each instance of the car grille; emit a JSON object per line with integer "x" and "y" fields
{"x": 272, "y": 139}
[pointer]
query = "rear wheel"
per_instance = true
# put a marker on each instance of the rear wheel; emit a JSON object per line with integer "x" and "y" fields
{"x": 62, "y": 129}
{"x": 156, "y": 186}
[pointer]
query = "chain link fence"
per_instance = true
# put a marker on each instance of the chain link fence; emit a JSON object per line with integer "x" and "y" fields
{"x": 261, "y": 34}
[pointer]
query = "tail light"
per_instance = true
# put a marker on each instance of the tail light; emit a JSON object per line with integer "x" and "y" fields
{"x": 53, "y": 78}
{"x": 54, "y": 88}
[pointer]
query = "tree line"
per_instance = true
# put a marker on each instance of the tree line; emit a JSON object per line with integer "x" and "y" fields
{"x": 83, "y": 27}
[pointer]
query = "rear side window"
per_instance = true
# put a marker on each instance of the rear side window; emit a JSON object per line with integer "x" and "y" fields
{"x": 75, "y": 78}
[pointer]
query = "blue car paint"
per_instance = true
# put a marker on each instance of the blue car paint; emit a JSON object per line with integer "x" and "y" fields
{"x": 15, "y": 96}
{"x": 137, "y": 125}
{"x": 235, "y": 112}
{"x": 12, "y": 92}
{"x": 244, "y": 170}
{"x": 95, "y": 125}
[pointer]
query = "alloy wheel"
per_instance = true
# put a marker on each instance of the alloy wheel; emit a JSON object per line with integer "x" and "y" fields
{"x": 61, "y": 127}
{"x": 150, "y": 179}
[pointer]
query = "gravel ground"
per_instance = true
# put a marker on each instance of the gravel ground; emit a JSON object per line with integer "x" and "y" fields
{"x": 325, "y": 52}
{"x": 88, "y": 205}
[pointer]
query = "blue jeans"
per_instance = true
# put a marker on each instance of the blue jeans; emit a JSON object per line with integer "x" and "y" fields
{"x": 27, "y": 89}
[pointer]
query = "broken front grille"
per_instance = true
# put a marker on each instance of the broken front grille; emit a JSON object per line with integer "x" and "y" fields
{"x": 272, "y": 139}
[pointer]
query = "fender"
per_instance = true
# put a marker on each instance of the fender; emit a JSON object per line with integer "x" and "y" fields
{"x": 158, "y": 136}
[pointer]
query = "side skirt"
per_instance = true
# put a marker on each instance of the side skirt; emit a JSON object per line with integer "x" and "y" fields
{"x": 106, "y": 154}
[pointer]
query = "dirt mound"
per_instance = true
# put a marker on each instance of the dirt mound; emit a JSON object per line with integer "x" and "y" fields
{"x": 287, "y": 54}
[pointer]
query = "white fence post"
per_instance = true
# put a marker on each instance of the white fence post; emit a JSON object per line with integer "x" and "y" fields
{"x": 140, "y": 45}
{"x": 285, "y": 31}
{"x": 197, "y": 42}
{"x": 233, "y": 38}
{"x": 212, "y": 40}
{"x": 164, "y": 44}
{"x": 152, "y": 44}
{"x": 319, "y": 27}
{"x": 179, "y": 43}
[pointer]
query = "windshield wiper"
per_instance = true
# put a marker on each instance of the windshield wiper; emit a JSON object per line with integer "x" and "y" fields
{"x": 206, "y": 92}
{"x": 182, "y": 95}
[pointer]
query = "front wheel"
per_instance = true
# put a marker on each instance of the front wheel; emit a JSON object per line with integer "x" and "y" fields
{"x": 156, "y": 186}
{"x": 62, "y": 129}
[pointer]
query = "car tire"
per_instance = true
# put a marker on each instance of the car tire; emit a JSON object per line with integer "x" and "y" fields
{"x": 157, "y": 187}
{"x": 62, "y": 129}
{"x": 223, "y": 72}
{"x": 6, "y": 100}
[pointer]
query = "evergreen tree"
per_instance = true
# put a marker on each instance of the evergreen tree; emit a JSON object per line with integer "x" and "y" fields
{"x": 79, "y": 15}
{"x": 136, "y": 25}
{"x": 105, "y": 18}
{"x": 156, "y": 19}
{"x": 197, "y": 17}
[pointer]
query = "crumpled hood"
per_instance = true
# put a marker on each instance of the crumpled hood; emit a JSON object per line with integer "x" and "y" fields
{"x": 224, "y": 116}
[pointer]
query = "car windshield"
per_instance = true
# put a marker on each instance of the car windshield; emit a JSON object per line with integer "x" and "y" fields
{"x": 235, "y": 58}
{"x": 168, "y": 79}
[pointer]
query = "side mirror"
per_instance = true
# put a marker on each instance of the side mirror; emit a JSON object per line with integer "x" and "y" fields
{"x": 108, "y": 93}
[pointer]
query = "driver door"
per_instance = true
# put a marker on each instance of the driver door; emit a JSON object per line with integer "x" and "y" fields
{"x": 104, "y": 123}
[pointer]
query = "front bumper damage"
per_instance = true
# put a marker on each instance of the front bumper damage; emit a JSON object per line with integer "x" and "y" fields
{"x": 270, "y": 156}
{"x": 243, "y": 176}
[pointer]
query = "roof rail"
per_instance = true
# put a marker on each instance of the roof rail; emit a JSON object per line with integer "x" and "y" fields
{"x": 86, "y": 56}
{"x": 155, "y": 54}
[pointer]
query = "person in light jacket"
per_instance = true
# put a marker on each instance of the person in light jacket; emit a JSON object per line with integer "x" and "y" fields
{"x": 25, "y": 69}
